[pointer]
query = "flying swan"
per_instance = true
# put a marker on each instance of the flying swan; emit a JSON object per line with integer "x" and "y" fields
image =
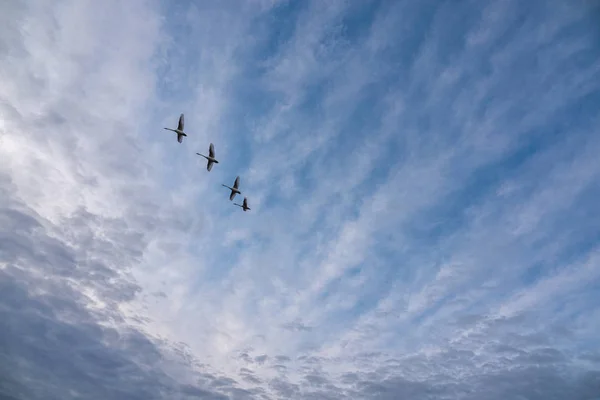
{"x": 234, "y": 189}
{"x": 179, "y": 130}
{"x": 211, "y": 157}
{"x": 244, "y": 205}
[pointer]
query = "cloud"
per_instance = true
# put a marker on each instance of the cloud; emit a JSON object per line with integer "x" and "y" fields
{"x": 422, "y": 178}
{"x": 62, "y": 332}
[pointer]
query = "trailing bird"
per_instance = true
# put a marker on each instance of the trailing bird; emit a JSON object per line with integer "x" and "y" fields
{"x": 234, "y": 189}
{"x": 211, "y": 157}
{"x": 179, "y": 130}
{"x": 244, "y": 205}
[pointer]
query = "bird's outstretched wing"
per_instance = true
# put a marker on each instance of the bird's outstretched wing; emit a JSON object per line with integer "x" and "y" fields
{"x": 211, "y": 151}
{"x": 232, "y": 195}
{"x": 209, "y": 165}
{"x": 181, "y": 123}
{"x": 236, "y": 184}
{"x": 179, "y": 137}
{"x": 245, "y": 202}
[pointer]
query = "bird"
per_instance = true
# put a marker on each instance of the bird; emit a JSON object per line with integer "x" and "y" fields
{"x": 234, "y": 189}
{"x": 244, "y": 205}
{"x": 179, "y": 130}
{"x": 211, "y": 157}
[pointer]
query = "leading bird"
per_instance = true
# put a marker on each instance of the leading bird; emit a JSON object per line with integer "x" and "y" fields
{"x": 179, "y": 130}
{"x": 234, "y": 189}
{"x": 211, "y": 157}
{"x": 244, "y": 204}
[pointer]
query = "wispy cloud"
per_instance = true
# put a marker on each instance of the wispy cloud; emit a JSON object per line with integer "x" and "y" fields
{"x": 422, "y": 178}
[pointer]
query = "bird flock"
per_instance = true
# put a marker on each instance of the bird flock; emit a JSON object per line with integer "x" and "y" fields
{"x": 211, "y": 160}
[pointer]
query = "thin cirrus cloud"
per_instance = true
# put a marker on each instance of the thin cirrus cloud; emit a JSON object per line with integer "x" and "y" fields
{"x": 423, "y": 179}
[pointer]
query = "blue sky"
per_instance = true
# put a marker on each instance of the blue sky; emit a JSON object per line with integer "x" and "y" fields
{"x": 423, "y": 178}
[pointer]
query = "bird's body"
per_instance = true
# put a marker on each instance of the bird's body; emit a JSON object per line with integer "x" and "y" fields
{"x": 235, "y": 189}
{"x": 179, "y": 130}
{"x": 211, "y": 157}
{"x": 244, "y": 204}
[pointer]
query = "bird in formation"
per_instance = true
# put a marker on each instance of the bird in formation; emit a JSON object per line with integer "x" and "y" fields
{"x": 244, "y": 204}
{"x": 179, "y": 130}
{"x": 211, "y": 157}
{"x": 235, "y": 189}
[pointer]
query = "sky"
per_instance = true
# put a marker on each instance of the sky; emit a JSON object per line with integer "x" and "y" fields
{"x": 423, "y": 178}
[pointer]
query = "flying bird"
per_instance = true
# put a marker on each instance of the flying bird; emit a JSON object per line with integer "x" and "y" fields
{"x": 244, "y": 205}
{"x": 179, "y": 130}
{"x": 234, "y": 189}
{"x": 211, "y": 157}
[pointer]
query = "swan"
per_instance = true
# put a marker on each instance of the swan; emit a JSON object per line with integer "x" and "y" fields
{"x": 179, "y": 130}
{"x": 234, "y": 189}
{"x": 244, "y": 205}
{"x": 211, "y": 157}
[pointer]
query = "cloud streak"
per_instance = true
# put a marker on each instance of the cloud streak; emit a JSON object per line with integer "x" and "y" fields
{"x": 422, "y": 178}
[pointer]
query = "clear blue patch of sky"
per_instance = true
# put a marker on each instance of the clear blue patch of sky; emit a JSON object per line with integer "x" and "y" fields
{"x": 273, "y": 33}
{"x": 451, "y": 24}
{"x": 450, "y": 213}
{"x": 577, "y": 230}
{"x": 178, "y": 61}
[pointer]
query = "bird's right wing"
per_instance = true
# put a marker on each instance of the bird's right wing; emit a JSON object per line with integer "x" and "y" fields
{"x": 236, "y": 184}
{"x": 211, "y": 151}
{"x": 181, "y": 123}
{"x": 209, "y": 165}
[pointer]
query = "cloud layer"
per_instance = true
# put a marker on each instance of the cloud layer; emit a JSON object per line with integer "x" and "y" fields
{"x": 423, "y": 178}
